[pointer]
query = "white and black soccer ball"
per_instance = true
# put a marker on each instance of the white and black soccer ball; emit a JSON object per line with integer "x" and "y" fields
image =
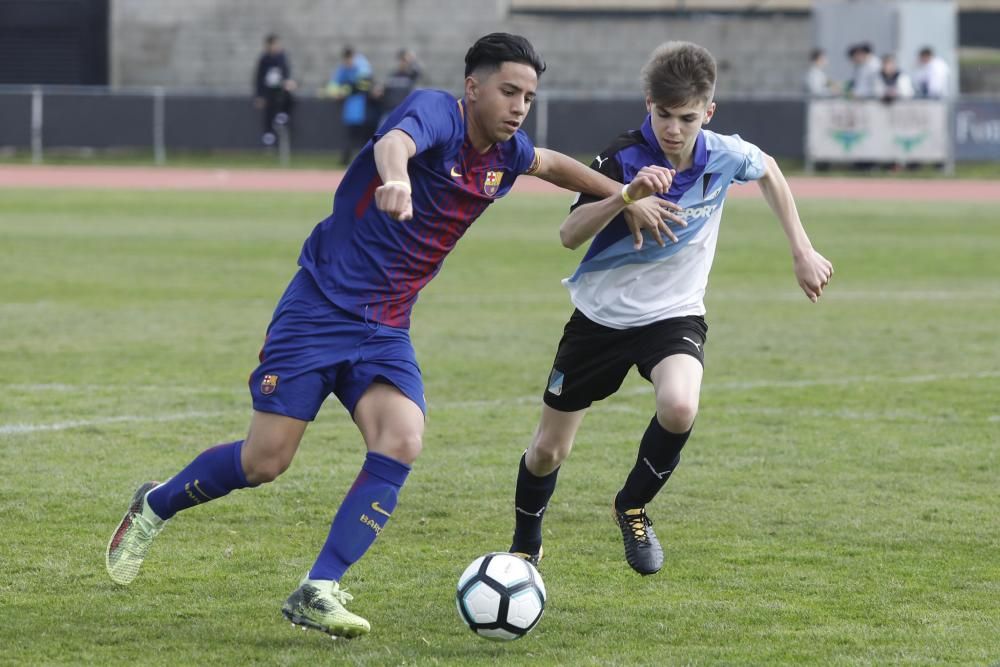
{"x": 500, "y": 596}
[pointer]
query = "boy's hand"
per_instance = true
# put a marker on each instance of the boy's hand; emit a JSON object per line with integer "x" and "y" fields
{"x": 394, "y": 199}
{"x": 651, "y": 213}
{"x": 813, "y": 272}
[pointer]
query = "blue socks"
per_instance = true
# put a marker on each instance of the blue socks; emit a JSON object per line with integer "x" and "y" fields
{"x": 362, "y": 515}
{"x": 214, "y": 473}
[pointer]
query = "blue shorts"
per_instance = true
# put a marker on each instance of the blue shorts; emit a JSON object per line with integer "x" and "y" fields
{"x": 313, "y": 349}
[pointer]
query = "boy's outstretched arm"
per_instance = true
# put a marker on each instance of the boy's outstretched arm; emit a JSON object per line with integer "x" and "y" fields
{"x": 650, "y": 214}
{"x": 812, "y": 270}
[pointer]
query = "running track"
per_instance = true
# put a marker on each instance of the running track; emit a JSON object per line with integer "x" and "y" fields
{"x": 298, "y": 180}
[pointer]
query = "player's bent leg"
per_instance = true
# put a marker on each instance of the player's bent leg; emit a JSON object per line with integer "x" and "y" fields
{"x": 677, "y": 382}
{"x": 536, "y": 478}
{"x": 392, "y": 426}
{"x": 213, "y": 474}
{"x": 319, "y": 604}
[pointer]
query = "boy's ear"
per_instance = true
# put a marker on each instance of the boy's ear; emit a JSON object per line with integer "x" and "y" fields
{"x": 709, "y": 112}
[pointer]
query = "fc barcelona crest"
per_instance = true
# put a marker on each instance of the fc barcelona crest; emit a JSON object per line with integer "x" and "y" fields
{"x": 492, "y": 182}
{"x": 268, "y": 384}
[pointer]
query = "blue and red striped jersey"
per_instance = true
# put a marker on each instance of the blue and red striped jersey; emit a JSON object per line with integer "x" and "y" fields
{"x": 374, "y": 266}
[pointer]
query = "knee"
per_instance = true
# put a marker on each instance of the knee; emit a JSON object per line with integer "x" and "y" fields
{"x": 546, "y": 454}
{"x": 403, "y": 447}
{"x": 677, "y": 415}
{"x": 265, "y": 466}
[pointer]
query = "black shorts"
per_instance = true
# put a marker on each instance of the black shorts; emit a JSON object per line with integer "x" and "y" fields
{"x": 593, "y": 360}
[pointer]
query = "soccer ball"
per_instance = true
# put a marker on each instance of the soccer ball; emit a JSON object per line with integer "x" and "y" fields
{"x": 500, "y": 596}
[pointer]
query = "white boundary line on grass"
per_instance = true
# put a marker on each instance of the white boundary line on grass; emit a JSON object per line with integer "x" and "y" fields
{"x": 17, "y": 429}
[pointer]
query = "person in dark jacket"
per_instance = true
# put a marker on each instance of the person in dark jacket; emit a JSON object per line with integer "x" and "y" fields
{"x": 274, "y": 86}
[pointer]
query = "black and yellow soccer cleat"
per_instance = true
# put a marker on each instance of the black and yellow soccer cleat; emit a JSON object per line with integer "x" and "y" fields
{"x": 533, "y": 558}
{"x": 642, "y": 550}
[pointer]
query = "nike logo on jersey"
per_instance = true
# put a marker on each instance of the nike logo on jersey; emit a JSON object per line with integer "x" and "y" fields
{"x": 525, "y": 512}
{"x": 378, "y": 508}
{"x": 600, "y": 161}
{"x": 697, "y": 345}
{"x": 659, "y": 475}
{"x": 455, "y": 173}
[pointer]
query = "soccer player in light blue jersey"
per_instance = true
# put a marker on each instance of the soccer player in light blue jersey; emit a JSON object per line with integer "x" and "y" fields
{"x": 642, "y": 304}
{"x": 342, "y": 326}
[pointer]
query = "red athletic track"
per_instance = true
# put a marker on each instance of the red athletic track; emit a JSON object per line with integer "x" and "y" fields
{"x": 297, "y": 180}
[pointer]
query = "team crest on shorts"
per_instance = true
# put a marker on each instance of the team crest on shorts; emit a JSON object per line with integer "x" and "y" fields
{"x": 492, "y": 182}
{"x": 268, "y": 384}
{"x": 556, "y": 382}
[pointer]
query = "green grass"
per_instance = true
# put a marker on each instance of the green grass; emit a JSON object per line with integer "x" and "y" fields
{"x": 837, "y": 504}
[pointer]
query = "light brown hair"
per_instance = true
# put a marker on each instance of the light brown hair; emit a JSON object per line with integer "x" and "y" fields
{"x": 678, "y": 73}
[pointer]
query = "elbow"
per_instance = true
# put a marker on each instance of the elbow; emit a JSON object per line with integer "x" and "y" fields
{"x": 567, "y": 239}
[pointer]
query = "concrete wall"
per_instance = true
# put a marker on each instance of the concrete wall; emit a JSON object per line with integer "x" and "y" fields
{"x": 215, "y": 43}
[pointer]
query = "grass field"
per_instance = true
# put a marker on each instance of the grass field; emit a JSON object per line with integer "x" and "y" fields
{"x": 837, "y": 504}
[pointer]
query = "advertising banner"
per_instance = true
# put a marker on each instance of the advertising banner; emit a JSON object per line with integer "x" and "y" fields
{"x": 873, "y": 131}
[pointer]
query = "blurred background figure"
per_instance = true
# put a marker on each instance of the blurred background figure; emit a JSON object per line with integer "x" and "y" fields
{"x": 931, "y": 77}
{"x": 400, "y": 82}
{"x": 866, "y": 71}
{"x": 817, "y": 82}
{"x": 892, "y": 83}
{"x": 352, "y": 83}
{"x": 274, "y": 86}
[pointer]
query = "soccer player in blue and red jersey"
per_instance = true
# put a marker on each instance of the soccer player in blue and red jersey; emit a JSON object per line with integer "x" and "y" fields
{"x": 644, "y": 306}
{"x": 342, "y": 326}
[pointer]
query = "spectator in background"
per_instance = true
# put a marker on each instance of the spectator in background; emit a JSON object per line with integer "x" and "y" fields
{"x": 817, "y": 82}
{"x": 274, "y": 86}
{"x": 931, "y": 77}
{"x": 352, "y": 83}
{"x": 866, "y": 71}
{"x": 400, "y": 82}
{"x": 892, "y": 83}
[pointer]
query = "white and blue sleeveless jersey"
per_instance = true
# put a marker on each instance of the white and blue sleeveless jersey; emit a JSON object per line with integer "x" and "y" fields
{"x": 622, "y": 288}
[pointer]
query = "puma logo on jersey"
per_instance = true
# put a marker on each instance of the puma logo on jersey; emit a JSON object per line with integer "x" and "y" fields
{"x": 600, "y": 161}
{"x": 714, "y": 193}
{"x": 697, "y": 345}
{"x": 659, "y": 475}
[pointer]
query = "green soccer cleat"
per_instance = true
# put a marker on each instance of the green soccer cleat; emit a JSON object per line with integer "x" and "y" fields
{"x": 642, "y": 549}
{"x": 319, "y": 604}
{"x": 130, "y": 541}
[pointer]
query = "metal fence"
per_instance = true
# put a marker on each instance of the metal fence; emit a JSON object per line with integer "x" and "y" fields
{"x": 43, "y": 118}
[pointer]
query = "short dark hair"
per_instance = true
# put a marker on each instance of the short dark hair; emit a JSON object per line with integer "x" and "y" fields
{"x": 498, "y": 48}
{"x": 348, "y": 52}
{"x": 816, "y": 54}
{"x": 679, "y": 72}
{"x": 271, "y": 38}
{"x": 926, "y": 52}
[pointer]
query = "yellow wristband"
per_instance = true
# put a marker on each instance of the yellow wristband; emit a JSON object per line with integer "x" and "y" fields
{"x": 628, "y": 200}
{"x": 402, "y": 183}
